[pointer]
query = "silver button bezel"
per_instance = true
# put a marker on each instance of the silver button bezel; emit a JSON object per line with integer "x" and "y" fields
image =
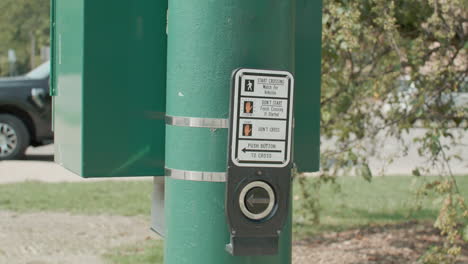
{"x": 242, "y": 200}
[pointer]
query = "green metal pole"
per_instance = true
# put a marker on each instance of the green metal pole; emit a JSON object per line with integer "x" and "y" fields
{"x": 207, "y": 41}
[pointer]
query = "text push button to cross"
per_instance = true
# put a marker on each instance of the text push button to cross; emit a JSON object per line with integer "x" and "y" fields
{"x": 257, "y": 200}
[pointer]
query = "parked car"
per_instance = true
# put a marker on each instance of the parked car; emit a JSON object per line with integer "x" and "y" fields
{"x": 25, "y": 112}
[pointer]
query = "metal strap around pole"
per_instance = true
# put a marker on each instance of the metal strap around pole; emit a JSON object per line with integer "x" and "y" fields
{"x": 184, "y": 121}
{"x": 196, "y": 175}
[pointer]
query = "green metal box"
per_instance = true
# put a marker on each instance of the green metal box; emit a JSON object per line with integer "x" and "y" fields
{"x": 109, "y": 84}
{"x": 308, "y": 81}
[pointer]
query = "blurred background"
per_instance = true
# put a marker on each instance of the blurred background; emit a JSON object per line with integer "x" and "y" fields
{"x": 24, "y": 36}
{"x": 393, "y": 183}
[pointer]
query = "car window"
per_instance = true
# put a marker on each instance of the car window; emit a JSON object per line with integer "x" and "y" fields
{"x": 41, "y": 72}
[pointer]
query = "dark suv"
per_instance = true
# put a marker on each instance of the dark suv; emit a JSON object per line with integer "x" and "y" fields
{"x": 25, "y": 112}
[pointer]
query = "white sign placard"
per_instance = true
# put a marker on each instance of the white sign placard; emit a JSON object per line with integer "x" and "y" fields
{"x": 262, "y": 151}
{"x": 262, "y": 129}
{"x": 261, "y": 118}
{"x": 263, "y": 108}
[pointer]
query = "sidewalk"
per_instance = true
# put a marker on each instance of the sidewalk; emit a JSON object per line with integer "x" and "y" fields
{"x": 39, "y": 166}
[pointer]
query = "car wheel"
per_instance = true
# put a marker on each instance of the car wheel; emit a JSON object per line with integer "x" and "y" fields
{"x": 14, "y": 137}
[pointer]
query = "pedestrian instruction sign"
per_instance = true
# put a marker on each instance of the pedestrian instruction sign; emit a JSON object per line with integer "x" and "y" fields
{"x": 261, "y": 118}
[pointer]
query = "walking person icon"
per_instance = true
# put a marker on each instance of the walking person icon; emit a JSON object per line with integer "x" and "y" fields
{"x": 249, "y": 85}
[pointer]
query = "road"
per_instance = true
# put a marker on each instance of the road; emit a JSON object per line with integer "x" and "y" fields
{"x": 39, "y": 163}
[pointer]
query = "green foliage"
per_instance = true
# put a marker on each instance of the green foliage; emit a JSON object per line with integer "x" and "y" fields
{"x": 341, "y": 203}
{"x": 367, "y": 46}
{"x": 372, "y": 47}
{"x": 465, "y": 233}
{"x": 310, "y": 194}
{"x": 23, "y": 21}
{"x": 437, "y": 255}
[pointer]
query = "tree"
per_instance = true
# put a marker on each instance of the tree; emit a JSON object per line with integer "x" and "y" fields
{"x": 24, "y": 26}
{"x": 367, "y": 46}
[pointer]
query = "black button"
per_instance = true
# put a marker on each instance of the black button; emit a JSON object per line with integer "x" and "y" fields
{"x": 257, "y": 200}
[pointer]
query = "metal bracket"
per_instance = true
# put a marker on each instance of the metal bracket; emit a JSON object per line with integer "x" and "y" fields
{"x": 157, "y": 208}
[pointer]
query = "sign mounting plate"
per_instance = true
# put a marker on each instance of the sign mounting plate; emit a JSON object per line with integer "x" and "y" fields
{"x": 261, "y": 118}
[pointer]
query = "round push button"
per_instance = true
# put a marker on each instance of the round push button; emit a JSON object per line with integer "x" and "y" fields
{"x": 257, "y": 200}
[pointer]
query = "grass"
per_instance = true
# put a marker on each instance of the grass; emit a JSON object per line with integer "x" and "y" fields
{"x": 351, "y": 203}
{"x": 127, "y": 198}
{"x": 146, "y": 252}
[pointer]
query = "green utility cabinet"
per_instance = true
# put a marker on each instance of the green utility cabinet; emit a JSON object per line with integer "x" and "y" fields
{"x": 307, "y": 76}
{"x": 109, "y": 86}
{"x": 109, "y": 62}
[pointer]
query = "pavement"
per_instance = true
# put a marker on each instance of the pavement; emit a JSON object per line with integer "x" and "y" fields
{"x": 57, "y": 238}
{"x": 39, "y": 165}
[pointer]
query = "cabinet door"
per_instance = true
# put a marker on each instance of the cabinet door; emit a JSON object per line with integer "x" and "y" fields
{"x": 308, "y": 75}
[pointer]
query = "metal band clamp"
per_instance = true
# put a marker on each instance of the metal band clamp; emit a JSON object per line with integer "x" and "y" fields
{"x": 197, "y": 122}
{"x": 196, "y": 175}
